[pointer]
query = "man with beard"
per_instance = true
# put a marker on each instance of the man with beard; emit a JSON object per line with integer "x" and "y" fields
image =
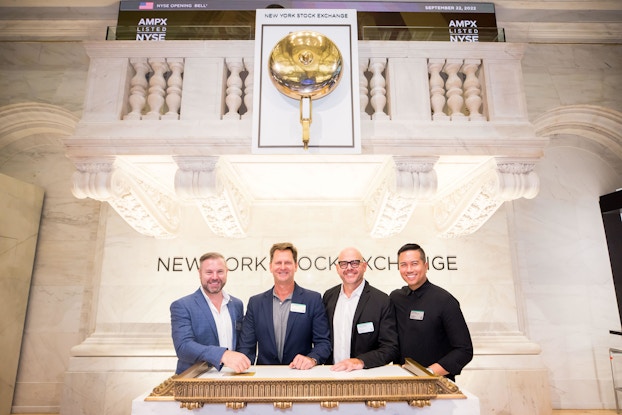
{"x": 206, "y": 324}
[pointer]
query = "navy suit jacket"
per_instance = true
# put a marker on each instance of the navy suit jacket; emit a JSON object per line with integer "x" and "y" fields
{"x": 378, "y": 347}
{"x": 306, "y": 333}
{"x": 194, "y": 330}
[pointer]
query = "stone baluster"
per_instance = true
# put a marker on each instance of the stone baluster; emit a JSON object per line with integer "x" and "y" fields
{"x": 157, "y": 85}
{"x": 233, "y": 97}
{"x": 138, "y": 89}
{"x": 472, "y": 89}
{"x": 378, "y": 91}
{"x": 363, "y": 88}
{"x": 453, "y": 87}
{"x": 437, "y": 89}
{"x": 173, "y": 92}
{"x": 248, "y": 87}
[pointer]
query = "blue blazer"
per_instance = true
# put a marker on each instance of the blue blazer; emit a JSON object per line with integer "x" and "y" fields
{"x": 194, "y": 330}
{"x": 307, "y": 332}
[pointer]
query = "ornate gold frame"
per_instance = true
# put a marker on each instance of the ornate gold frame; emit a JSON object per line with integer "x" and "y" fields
{"x": 416, "y": 387}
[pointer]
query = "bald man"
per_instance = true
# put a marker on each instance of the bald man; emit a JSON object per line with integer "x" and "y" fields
{"x": 362, "y": 322}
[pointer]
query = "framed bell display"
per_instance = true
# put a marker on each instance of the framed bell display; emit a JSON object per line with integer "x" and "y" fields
{"x": 306, "y": 82}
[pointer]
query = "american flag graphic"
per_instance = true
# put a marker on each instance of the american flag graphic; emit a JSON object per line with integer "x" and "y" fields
{"x": 145, "y": 5}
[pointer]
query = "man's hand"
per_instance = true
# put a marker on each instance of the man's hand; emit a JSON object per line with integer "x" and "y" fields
{"x": 438, "y": 369}
{"x": 302, "y": 362}
{"x": 236, "y": 361}
{"x": 348, "y": 365}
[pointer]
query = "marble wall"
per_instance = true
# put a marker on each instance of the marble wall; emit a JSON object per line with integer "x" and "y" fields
{"x": 538, "y": 269}
{"x": 20, "y": 204}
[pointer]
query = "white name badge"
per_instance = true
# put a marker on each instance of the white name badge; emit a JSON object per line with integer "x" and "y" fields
{"x": 416, "y": 315}
{"x": 365, "y": 327}
{"x": 298, "y": 308}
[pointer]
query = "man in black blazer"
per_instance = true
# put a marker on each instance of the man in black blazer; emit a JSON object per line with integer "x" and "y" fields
{"x": 361, "y": 319}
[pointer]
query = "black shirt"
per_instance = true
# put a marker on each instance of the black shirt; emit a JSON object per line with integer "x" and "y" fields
{"x": 431, "y": 327}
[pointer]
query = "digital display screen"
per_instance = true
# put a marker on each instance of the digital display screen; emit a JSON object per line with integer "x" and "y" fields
{"x": 235, "y": 19}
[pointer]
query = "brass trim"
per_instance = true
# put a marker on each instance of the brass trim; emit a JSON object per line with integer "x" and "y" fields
{"x": 235, "y": 392}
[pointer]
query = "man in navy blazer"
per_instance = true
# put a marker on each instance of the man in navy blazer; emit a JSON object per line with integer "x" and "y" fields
{"x": 287, "y": 324}
{"x": 361, "y": 318}
{"x": 206, "y": 324}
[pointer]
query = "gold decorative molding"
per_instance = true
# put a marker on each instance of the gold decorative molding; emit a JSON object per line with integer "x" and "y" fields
{"x": 374, "y": 387}
{"x": 164, "y": 391}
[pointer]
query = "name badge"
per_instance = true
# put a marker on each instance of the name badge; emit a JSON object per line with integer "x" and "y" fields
{"x": 416, "y": 315}
{"x": 298, "y": 308}
{"x": 365, "y": 327}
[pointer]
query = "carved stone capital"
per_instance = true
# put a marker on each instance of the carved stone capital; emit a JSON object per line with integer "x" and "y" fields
{"x": 465, "y": 209}
{"x": 209, "y": 185}
{"x": 133, "y": 195}
{"x": 416, "y": 176}
{"x": 516, "y": 179}
{"x": 392, "y": 201}
{"x": 196, "y": 178}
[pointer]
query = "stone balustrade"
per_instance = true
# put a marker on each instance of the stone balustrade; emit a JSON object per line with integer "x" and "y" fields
{"x": 411, "y": 93}
{"x": 191, "y": 102}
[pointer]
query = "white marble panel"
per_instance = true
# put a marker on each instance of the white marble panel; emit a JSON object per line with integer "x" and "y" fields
{"x": 122, "y": 378}
{"x": 558, "y": 75}
{"x": 133, "y": 289}
{"x": 20, "y": 204}
{"x": 51, "y": 72}
{"x": 568, "y": 291}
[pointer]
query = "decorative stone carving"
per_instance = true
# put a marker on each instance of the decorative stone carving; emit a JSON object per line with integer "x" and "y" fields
{"x": 437, "y": 89}
{"x": 233, "y": 94}
{"x": 472, "y": 89}
{"x": 157, "y": 88}
{"x": 249, "y": 87}
{"x": 174, "y": 90}
{"x": 202, "y": 181}
{"x": 391, "y": 203}
{"x": 471, "y": 204}
{"x": 453, "y": 87}
{"x": 443, "y": 91}
{"x": 133, "y": 195}
{"x": 377, "y": 88}
{"x": 138, "y": 88}
{"x": 364, "y": 88}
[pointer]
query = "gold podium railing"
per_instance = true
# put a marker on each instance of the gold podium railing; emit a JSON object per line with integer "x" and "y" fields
{"x": 283, "y": 387}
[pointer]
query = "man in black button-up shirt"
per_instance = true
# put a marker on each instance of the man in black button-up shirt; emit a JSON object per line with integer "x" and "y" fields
{"x": 430, "y": 325}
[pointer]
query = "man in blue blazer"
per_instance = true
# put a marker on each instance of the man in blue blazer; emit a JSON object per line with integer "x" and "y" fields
{"x": 206, "y": 324}
{"x": 361, "y": 318}
{"x": 287, "y": 324}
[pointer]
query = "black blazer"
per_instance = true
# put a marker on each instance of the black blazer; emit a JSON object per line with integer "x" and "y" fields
{"x": 376, "y": 348}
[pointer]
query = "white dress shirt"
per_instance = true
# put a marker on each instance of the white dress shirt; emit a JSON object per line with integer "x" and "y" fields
{"x": 222, "y": 319}
{"x": 342, "y": 322}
